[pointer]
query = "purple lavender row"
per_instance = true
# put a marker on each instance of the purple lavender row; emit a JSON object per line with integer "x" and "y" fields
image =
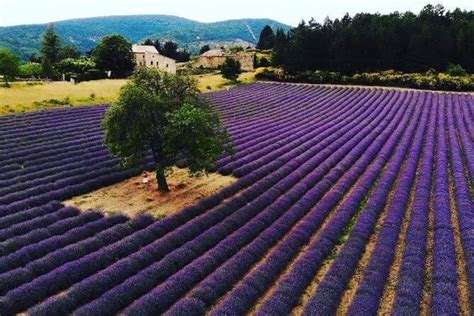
{"x": 261, "y": 134}
{"x": 220, "y": 281}
{"x": 297, "y": 136}
{"x": 34, "y": 136}
{"x": 463, "y": 197}
{"x": 13, "y": 219}
{"x": 243, "y": 235}
{"x": 85, "y": 263}
{"x": 178, "y": 234}
{"x": 330, "y": 289}
{"x": 17, "y": 130}
{"x": 409, "y": 288}
{"x": 43, "y": 185}
{"x": 276, "y": 133}
{"x": 23, "y": 159}
{"x": 193, "y": 211}
{"x": 253, "y": 285}
{"x": 88, "y": 150}
{"x": 45, "y": 177}
{"x": 25, "y": 227}
{"x": 290, "y": 288}
{"x": 15, "y": 300}
{"x": 371, "y": 287}
{"x": 256, "y": 130}
{"x": 445, "y": 292}
{"x": 74, "y": 230}
{"x": 332, "y": 130}
{"x": 468, "y": 119}
{"x": 251, "y": 129}
{"x": 95, "y": 180}
{"x": 6, "y": 158}
{"x": 90, "y": 128}
{"x": 467, "y": 144}
{"x": 50, "y": 168}
{"x": 37, "y": 235}
{"x": 47, "y": 115}
{"x": 267, "y": 106}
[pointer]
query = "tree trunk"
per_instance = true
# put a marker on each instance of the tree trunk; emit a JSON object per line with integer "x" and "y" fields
{"x": 161, "y": 180}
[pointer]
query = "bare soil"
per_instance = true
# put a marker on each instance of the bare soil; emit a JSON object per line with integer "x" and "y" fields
{"x": 131, "y": 197}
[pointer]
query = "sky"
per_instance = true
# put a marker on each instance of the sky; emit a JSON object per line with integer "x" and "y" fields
{"x": 14, "y": 12}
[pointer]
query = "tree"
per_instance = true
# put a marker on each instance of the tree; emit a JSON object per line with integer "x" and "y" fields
{"x": 280, "y": 48}
{"x": 231, "y": 69}
{"x": 165, "y": 114}
{"x": 170, "y": 49}
{"x": 30, "y": 70}
{"x": 9, "y": 65}
{"x": 148, "y": 42}
{"x": 50, "y": 46}
{"x": 267, "y": 38}
{"x": 68, "y": 51}
{"x": 114, "y": 53}
{"x": 204, "y": 49}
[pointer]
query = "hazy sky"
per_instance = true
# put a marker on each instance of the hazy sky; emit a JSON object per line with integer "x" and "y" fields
{"x": 14, "y": 12}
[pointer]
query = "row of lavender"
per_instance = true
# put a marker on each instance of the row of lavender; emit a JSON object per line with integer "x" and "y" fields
{"x": 314, "y": 163}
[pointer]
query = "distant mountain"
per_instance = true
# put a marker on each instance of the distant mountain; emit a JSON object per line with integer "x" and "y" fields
{"x": 84, "y": 33}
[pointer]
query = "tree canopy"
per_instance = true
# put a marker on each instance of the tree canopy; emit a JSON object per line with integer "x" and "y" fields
{"x": 204, "y": 48}
{"x": 51, "y": 45}
{"x": 114, "y": 53}
{"x": 371, "y": 42}
{"x": 164, "y": 113}
{"x": 267, "y": 38}
{"x": 231, "y": 69}
{"x": 9, "y": 65}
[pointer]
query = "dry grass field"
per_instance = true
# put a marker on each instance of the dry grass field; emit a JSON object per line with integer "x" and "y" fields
{"x": 26, "y": 97}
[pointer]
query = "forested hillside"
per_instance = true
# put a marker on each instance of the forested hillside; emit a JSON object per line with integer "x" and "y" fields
{"x": 84, "y": 33}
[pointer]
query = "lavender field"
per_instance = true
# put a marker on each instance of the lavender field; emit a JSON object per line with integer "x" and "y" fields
{"x": 348, "y": 200}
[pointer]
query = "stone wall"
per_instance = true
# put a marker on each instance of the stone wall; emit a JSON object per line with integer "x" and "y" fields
{"x": 245, "y": 59}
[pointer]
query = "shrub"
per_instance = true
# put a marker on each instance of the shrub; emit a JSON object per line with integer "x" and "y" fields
{"x": 456, "y": 70}
{"x": 231, "y": 69}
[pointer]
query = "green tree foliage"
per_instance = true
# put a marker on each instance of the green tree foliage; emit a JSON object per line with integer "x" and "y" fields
{"x": 372, "y": 42}
{"x": 69, "y": 51}
{"x": 148, "y": 42}
{"x": 231, "y": 69}
{"x": 48, "y": 70}
{"x": 79, "y": 65}
{"x": 267, "y": 38}
{"x": 51, "y": 45}
{"x": 456, "y": 70}
{"x": 204, "y": 49}
{"x": 280, "y": 48}
{"x": 31, "y": 70}
{"x": 9, "y": 65}
{"x": 114, "y": 53}
{"x": 236, "y": 49}
{"x": 164, "y": 113}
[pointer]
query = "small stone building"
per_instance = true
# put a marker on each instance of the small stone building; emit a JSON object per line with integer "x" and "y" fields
{"x": 147, "y": 55}
{"x": 216, "y": 57}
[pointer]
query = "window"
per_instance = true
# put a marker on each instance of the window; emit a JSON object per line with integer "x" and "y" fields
{"x": 151, "y": 62}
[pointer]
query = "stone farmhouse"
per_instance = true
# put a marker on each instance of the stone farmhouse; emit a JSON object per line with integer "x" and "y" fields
{"x": 216, "y": 57}
{"x": 147, "y": 55}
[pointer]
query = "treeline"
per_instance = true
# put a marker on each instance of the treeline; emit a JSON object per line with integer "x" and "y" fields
{"x": 431, "y": 40}
{"x": 169, "y": 49}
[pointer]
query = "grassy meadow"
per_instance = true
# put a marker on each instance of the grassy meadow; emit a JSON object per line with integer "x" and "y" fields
{"x": 33, "y": 96}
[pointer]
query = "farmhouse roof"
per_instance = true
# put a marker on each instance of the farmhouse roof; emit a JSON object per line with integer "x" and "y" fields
{"x": 214, "y": 53}
{"x": 144, "y": 49}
